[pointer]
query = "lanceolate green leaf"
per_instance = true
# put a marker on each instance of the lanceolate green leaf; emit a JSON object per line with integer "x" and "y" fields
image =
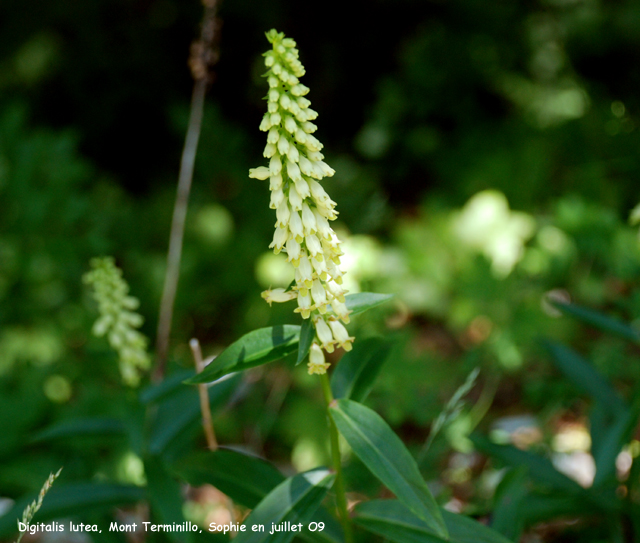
{"x": 600, "y": 321}
{"x": 510, "y": 503}
{"x": 293, "y": 501}
{"x": 246, "y": 480}
{"x": 165, "y": 496}
{"x": 307, "y": 333}
{"x": 179, "y": 414}
{"x": 382, "y": 451}
{"x": 167, "y": 386}
{"x": 540, "y": 469}
{"x": 70, "y": 500}
{"x": 361, "y": 301}
{"x": 358, "y": 369}
{"x": 584, "y": 376}
{"x": 81, "y": 427}
{"x": 252, "y": 349}
{"x": 392, "y": 520}
{"x": 539, "y": 507}
{"x": 617, "y": 435}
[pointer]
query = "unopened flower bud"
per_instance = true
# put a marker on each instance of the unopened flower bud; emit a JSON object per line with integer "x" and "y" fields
{"x": 290, "y": 125}
{"x": 269, "y": 150}
{"x": 273, "y": 95}
{"x": 283, "y": 145}
{"x": 275, "y": 165}
{"x": 275, "y": 182}
{"x": 273, "y": 136}
{"x": 308, "y": 127}
{"x": 292, "y": 153}
{"x": 299, "y": 90}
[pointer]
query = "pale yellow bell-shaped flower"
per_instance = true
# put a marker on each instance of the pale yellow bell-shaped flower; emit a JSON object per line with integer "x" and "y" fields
{"x": 303, "y": 208}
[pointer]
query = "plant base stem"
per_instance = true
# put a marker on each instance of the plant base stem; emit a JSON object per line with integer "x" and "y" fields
{"x": 341, "y": 497}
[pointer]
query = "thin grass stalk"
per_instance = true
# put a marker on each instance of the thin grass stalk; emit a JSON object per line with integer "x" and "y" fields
{"x": 200, "y": 62}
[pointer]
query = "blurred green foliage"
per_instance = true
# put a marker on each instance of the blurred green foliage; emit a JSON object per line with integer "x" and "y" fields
{"x": 486, "y": 154}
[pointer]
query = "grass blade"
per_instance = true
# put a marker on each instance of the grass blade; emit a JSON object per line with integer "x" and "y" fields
{"x": 598, "y": 320}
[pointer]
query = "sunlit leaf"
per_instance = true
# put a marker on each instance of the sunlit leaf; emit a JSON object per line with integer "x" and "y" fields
{"x": 293, "y": 501}
{"x": 252, "y": 349}
{"x": 247, "y": 480}
{"x": 382, "y": 451}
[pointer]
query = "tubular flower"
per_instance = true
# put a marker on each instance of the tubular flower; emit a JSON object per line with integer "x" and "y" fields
{"x": 278, "y": 295}
{"x": 316, "y": 360}
{"x": 303, "y": 208}
{"x": 118, "y": 319}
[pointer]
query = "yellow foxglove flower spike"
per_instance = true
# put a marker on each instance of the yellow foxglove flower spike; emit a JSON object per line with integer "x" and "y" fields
{"x": 117, "y": 318}
{"x": 303, "y": 208}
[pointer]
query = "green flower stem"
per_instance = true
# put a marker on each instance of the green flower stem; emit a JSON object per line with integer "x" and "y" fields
{"x": 341, "y": 496}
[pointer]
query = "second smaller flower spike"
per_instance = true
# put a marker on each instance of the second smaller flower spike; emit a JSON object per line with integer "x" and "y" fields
{"x": 118, "y": 319}
{"x": 303, "y": 208}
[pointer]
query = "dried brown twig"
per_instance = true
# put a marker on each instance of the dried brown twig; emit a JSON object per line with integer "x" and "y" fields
{"x": 205, "y": 408}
